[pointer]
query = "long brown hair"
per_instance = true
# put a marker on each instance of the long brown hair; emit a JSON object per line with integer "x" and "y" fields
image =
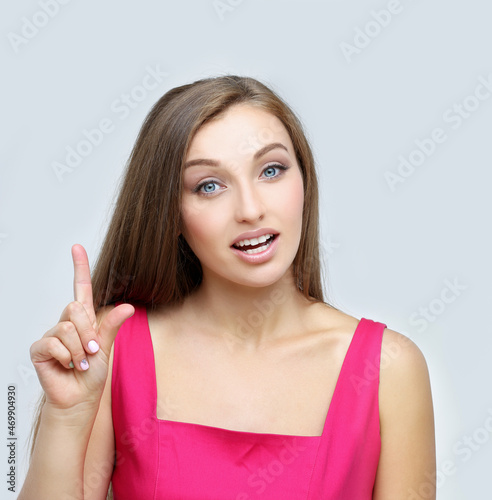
{"x": 144, "y": 259}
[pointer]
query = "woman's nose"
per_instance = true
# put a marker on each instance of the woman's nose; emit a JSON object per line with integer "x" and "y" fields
{"x": 249, "y": 204}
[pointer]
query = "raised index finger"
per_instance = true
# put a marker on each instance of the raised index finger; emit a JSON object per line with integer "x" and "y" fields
{"x": 82, "y": 285}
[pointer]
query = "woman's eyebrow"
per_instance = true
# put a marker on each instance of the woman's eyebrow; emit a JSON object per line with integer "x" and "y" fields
{"x": 214, "y": 163}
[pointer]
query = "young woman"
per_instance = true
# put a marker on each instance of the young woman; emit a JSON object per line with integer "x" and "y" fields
{"x": 201, "y": 361}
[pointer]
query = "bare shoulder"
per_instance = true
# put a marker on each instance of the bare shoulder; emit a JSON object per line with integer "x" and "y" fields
{"x": 400, "y": 356}
{"x": 403, "y": 366}
{"x": 404, "y": 380}
{"x": 332, "y": 329}
{"x": 393, "y": 340}
{"x": 404, "y": 375}
{"x": 406, "y": 417}
{"x": 324, "y": 315}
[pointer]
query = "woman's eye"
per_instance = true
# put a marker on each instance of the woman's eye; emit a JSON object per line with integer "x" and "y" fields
{"x": 274, "y": 166}
{"x": 205, "y": 188}
{"x": 205, "y": 185}
{"x": 271, "y": 168}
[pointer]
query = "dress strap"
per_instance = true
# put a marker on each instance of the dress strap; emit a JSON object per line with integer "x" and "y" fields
{"x": 351, "y": 441}
{"x": 133, "y": 377}
{"x": 133, "y": 400}
{"x": 361, "y": 376}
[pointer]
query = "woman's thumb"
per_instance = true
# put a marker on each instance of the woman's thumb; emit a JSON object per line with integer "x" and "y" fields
{"x": 111, "y": 324}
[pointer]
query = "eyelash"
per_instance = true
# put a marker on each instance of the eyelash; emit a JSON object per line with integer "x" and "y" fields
{"x": 197, "y": 188}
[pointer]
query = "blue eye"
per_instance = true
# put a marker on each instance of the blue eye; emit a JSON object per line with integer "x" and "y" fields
{"x": 204, "y": 184}
{"x": 269, "y": 168}
{"x": 277, "y": 166}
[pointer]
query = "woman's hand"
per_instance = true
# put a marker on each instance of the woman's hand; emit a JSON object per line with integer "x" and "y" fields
{"x": 71, "y": 359}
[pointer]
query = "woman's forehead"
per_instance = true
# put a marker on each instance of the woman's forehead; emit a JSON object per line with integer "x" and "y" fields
{"x": 241, "y": 128}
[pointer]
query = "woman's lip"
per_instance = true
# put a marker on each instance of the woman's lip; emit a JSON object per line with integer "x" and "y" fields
{"x": 258, "y": 258}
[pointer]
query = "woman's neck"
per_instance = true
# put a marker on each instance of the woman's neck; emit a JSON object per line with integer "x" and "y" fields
{"x": 247, "y": 317}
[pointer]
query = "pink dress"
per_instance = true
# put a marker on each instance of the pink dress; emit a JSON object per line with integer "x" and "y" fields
{"x": 168, "y": 460}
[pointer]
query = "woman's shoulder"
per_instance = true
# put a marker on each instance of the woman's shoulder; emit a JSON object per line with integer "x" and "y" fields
{"x": 330, "y": 318}
{"x": 405, "y": 412}
{"x": 405, "y": 395}
{"x": 331, "y": 330}
{"x": 400, "y": 356}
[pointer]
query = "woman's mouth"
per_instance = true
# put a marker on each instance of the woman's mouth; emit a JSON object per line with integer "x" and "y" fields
{"x": 259, "y": 247}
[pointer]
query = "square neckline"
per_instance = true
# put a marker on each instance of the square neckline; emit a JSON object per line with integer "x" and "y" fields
{"x": 238, "y": 433}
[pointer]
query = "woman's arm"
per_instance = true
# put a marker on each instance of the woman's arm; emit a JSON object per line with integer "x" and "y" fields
{"x": 99, "y": 459}
{"x": 72, "y": 361}
{"x": 74, "y": 450}
{"x": 57, "y": 462}
{"x": 407, "y": 465}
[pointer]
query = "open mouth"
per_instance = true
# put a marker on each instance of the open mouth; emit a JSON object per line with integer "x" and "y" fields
{"x": 260, "y": 247}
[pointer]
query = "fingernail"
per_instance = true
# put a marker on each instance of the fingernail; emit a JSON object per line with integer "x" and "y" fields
{"x": 93, "y": 346}
{"x": 84, "y": 364}
{"x": 71, "y": 364}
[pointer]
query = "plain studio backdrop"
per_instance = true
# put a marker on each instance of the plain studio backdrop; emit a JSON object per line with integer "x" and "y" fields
{"x": 396, "y": 99}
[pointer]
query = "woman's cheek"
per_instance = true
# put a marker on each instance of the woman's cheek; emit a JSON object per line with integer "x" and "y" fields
{"x": 202, "y": 225}
{"x": 293, "y": 201}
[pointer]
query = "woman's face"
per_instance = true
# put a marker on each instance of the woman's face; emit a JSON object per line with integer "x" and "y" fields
{"x": 242, "y": 176}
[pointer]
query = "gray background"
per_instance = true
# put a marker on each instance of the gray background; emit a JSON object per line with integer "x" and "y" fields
{"x": 387, "y": 252}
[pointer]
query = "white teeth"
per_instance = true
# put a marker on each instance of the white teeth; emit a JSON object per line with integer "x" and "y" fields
{"x": 253, "y": 241}
{"x": 257, "y": 250}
